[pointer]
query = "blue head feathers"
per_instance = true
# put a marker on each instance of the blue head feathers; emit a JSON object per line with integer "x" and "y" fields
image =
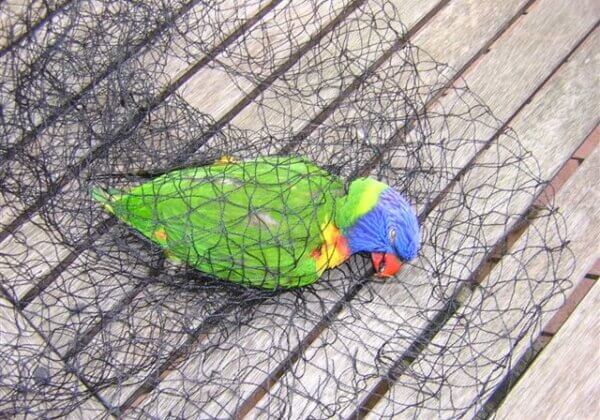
{"x": 390, "y": 227}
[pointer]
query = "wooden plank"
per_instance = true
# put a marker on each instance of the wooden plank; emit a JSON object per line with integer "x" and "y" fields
{"x": 561, "y": 383}
{"x": 407, "y": 304}
{"x": 330, "y": 70}
{"x": 451, "y": 50}
{"x": 214, "y": 92}
{"x": 14, "y": 63}
{"x": 220, "y": 373}
{"x": 19, "y": 17}
{"x": 264, "y": 348}
{"x": 581, "y": 218}
{"x": 162, "y": 319}
{"x": 84, "y": 292}
{"x": 552, "y": 127}
{"x": 31, "y": 255}
{"x": 431, "y": 80}
{"x": 33, "y": 379}
{"x": 117, "y": 394}
{"x": 59, "y": 54}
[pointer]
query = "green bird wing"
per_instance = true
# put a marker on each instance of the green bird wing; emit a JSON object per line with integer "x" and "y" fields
{"x": 252, "y": 222}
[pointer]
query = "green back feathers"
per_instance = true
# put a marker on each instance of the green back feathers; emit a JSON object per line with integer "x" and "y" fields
{"x": 253, "y": 222}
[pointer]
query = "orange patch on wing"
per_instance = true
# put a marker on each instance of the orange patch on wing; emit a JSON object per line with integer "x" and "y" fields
{"x": 225, "y": 160}
{"x": 334, "y": 249}
{"x": 160, "y": 234}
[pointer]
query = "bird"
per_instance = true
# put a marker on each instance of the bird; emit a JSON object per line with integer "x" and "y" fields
{"x": 272, "y": 222}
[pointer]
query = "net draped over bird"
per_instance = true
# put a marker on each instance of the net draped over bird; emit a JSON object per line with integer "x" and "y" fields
{"x": 337, "y": 126}
{"x": 269, "y": 222}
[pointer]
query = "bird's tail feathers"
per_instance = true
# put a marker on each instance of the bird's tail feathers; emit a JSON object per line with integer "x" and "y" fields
{"x": 106, "y": 197}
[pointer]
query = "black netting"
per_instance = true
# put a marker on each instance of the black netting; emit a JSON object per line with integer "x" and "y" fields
{"x": 96, "y": 316}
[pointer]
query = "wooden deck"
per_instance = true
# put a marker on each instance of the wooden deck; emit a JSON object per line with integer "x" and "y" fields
{"x": 535, "y": 63}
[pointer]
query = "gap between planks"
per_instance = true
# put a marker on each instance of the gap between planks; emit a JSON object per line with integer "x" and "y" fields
{"x": 581, "y": 289}
{"x": 562, "y": 61}
{"x": 557, "y": 394}
{"x": 271, "y": 376}
{"x": 589, "y": 41}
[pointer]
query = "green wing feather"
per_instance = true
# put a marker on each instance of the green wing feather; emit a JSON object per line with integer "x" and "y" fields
{"x": 252, "y": 222}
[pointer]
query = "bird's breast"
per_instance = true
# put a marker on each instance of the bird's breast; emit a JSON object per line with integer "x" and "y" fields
{"x": 333, "y": 251}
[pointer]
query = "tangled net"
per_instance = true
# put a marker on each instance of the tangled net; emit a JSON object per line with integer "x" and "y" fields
{"x": 95, "y": 319}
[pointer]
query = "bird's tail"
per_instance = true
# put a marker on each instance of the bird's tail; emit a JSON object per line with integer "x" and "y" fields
{"x": 106, "y": 197}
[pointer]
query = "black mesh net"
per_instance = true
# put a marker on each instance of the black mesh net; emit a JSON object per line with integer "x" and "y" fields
{"x": 96, "y": 317}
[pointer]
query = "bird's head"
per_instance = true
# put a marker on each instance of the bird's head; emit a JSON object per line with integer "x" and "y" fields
{"x": 379, "y": 220}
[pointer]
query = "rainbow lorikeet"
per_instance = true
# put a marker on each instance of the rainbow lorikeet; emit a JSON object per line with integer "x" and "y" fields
{"x": 272, "y": 222}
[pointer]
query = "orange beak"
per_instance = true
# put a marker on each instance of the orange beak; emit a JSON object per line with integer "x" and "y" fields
{"x": 386, "y": 265}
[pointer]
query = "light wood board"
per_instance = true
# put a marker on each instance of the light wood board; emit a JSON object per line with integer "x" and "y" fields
{"x": 33, "y": 377}
{"x": 409, "y": 309}
{"x": 252, "y": 346}
{"x": 18, "y": 16}
{"x": 562, "y": 382}
{"x": 484, "y": 329}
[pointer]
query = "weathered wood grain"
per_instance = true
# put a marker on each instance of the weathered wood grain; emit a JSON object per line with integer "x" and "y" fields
{"x": 263, "y": 359}
{"x": 32, "y": 254}
{"x": 215, "y": 92}
{"x": 65, "y": 69}
{"x": 119, "y": 393}
{"x": 330, "y": 72}
{"x": 34, "y": 378}
{"x": 19, "y": 17}
{"x": 93, "y": 283}
{"x": 14, "y": 62}
{"x": 562, "y": 382}
{"x": 552, "y": 126}
{"x": 117, "y": 366}
{"x": 62, "y": 312}
{"x": 422, "y": 83}
{"x": 410, "y": 304}
{"x": 72, "y": 72}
